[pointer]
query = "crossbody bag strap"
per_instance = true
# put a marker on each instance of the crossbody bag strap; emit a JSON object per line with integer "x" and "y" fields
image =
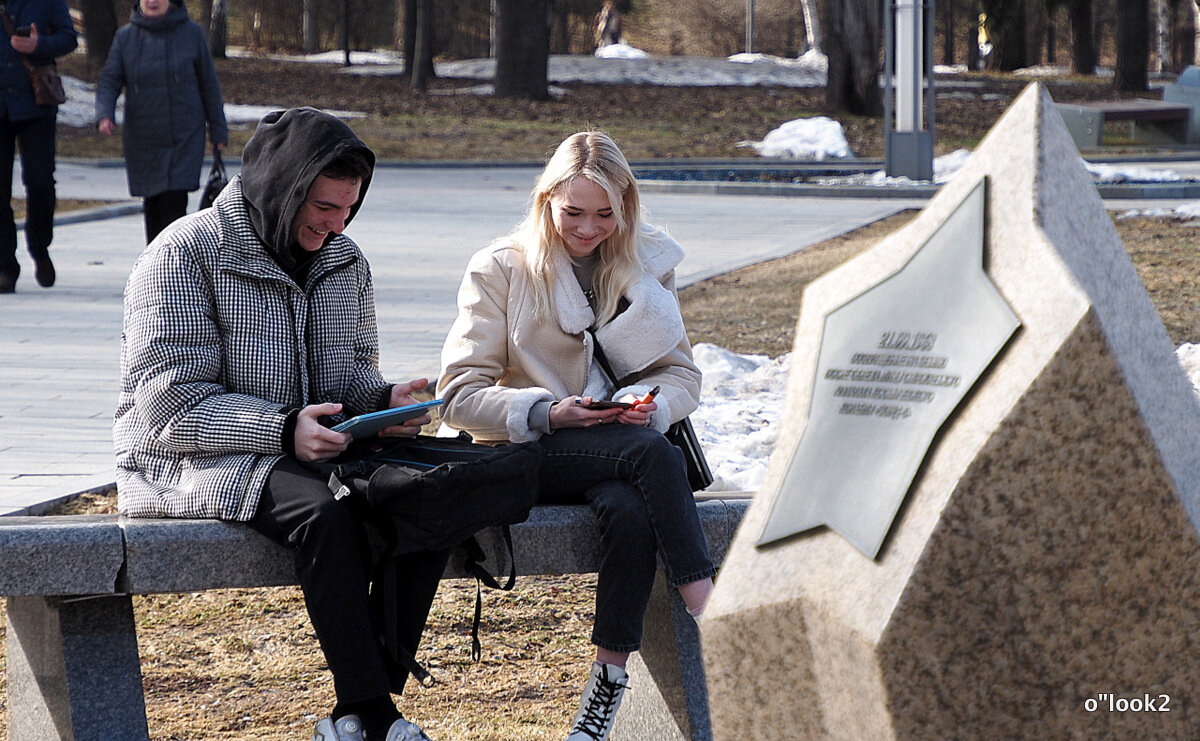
{"x": 602, "y": 359}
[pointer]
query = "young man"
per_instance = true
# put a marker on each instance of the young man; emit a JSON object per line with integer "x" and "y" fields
{"x": 249, "y": 326}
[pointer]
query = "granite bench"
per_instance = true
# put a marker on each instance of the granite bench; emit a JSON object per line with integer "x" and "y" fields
{"x": 1154, "y": 121}
{"x": 73, "y": 667}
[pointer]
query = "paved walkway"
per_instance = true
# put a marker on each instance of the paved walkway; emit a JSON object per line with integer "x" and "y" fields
{"x": 59, "y": 348}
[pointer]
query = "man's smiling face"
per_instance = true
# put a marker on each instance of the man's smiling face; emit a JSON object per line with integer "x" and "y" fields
{"x": 325, "y": 211}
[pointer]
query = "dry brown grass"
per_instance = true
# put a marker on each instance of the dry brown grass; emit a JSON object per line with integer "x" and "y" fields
{"x": 243, "y": 664}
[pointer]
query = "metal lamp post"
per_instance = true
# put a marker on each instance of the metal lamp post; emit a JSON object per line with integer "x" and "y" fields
{"x": 908, "y": 88}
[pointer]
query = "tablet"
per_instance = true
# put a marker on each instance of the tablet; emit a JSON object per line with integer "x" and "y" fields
{"x": 365, "y": 425}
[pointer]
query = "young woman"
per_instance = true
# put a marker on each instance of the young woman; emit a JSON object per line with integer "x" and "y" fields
{"x": 581, "y": 277}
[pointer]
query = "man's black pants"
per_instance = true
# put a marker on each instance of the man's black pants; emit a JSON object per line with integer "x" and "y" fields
{"x": 333, "y": 563}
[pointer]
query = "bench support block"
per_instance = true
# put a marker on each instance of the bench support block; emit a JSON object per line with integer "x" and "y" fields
{"x": 667, "y": 699}
{"x": 73, "y": 670}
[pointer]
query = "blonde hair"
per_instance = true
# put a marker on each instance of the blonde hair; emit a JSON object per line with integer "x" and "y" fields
{"x": 595, "y": 156}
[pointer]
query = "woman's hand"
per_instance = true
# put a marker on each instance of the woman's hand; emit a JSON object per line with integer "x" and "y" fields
{"x": 401, "y": 397}
{"x": 315, "y": 441}
{"x": 637, "y": 415}
{"x": 106, "y": 126}
{"x": 573, "y": 412}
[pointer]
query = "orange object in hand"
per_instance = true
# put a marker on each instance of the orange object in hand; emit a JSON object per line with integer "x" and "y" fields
{"x": 649, "y": 397}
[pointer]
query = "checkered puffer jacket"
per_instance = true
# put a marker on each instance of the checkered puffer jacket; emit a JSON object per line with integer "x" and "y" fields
{"x": 218, "y": 345}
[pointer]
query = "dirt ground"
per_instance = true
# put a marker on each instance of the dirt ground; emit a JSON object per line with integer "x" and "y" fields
{"x": 243, "y": 664}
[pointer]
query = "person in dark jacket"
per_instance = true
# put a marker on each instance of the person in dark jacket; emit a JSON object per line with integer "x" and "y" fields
{"x": 161, "y": 60}
{"x": 248, "y": 326}
{"x": 23, "y": 122}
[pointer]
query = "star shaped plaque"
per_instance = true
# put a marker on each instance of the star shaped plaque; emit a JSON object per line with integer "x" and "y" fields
{"x": 894, "y": 362}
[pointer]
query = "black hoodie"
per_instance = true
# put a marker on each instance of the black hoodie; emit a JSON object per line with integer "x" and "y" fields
{"x": 288, "y": 151}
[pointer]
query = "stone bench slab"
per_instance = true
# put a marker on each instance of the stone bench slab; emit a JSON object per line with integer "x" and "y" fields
{"x": 60, "y": 555}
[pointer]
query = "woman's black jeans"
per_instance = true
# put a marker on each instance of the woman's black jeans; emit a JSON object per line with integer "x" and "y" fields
{"x": 636, "y": 483}
{"x": 333, "y": 563}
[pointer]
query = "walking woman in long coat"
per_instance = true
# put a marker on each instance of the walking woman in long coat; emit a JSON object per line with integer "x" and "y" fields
{"x": 161, "y": 60}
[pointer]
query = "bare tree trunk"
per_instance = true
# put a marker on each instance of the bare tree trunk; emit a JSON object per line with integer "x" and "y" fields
{"x": 973, "y": 61}
{"x": 201, "y": 12}
{"x": 1083, "y": 40}
{"x": 422, "y": 67}
{"x": 1195, "y": 31}
{"x": 812, "y": 24}
{"x": 99, "y": 27}
{"x": 218, "y": 29}
{"x": 346, "y": 32}
{"x": 308, "y": 26}
{"x": 1161, "y": 37}
{"x": 852, "y": 44}
{"x": 947, "y": 9}
{"x": 522, "y": 48}
{"x": 1133, "y": 45}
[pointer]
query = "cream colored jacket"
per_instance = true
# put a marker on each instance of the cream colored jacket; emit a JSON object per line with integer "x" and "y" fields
{"x": 500, "y": 359}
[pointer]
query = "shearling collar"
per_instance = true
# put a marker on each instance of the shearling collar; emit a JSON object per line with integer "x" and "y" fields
{"x": 646, "y": 331}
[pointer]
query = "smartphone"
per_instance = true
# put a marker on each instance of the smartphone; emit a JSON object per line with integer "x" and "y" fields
{"x": 604, "y": 404}
{"x": 23, "y": 30}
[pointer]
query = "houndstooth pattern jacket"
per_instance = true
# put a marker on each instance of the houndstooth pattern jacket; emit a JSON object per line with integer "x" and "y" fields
{"x": 219, "y": 344}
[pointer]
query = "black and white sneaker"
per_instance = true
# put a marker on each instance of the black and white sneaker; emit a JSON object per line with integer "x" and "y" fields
{"x": 598, "y": 708}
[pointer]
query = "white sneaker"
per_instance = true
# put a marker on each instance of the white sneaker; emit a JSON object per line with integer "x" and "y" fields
{"x": 598, "y": 708}
{"x": 347, "y": 728}
{"x": 404, "y": 730}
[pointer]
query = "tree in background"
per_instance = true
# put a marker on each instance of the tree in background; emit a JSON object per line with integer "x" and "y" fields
{"x": 1083, "y": 43}
{"x": 522, "y": 48}
{"x": 853, "y": 45}
{"x": 419, "y": 43}
{"x": 218, "y": 29}
{"x": 812, "y": 25}
{"x": 1133, "y": 45}
{"x": 99, "y": 27}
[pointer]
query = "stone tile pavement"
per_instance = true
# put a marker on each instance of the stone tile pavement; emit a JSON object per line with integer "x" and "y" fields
{"x": 59, "y": 348}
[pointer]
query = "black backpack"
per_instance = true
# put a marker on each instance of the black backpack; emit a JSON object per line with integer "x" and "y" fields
{"x": 435, "y": 494}
{"x": 438, "y": 492}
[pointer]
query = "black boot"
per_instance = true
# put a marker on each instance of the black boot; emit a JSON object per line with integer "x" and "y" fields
{"x": 44, "y": 269}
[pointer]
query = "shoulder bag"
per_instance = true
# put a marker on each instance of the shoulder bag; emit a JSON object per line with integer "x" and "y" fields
{"x": 681, "y": 434}
{"x": 216, "y": 180}
{"x": 47, "y": 84}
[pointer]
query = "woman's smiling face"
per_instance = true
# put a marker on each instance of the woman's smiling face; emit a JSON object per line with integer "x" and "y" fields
{"x": 583, "y": 216}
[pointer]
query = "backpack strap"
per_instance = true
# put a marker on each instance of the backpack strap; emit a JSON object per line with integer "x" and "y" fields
{"x": 473, "y": 564}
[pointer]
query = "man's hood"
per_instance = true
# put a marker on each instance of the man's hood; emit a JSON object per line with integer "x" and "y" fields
{"x": 279, "y": 164}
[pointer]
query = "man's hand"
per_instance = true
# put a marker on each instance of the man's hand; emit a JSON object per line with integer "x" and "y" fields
{"x": 315, "y": 441}
{"x": 26, "y": 44}
{"x": 401, "y": 397}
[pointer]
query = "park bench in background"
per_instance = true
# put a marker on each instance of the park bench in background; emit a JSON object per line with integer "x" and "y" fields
{"x": 73, "y": 667}
{"x": 1154, "y": 121}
